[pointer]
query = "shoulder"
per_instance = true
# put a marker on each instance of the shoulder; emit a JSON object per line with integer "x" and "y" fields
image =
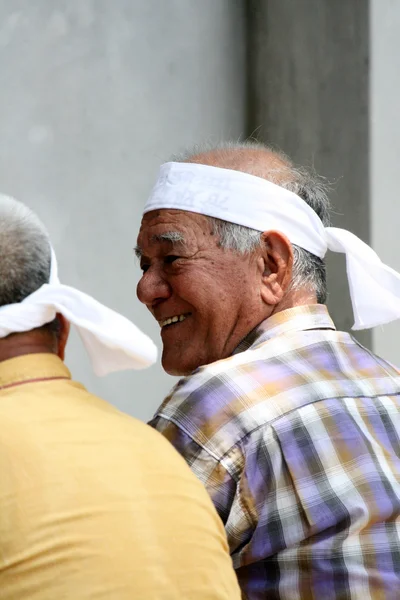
{"x": 223, "y": 402}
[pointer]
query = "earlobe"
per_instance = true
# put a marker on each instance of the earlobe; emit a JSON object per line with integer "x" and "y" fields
{"x": 63, "y": 335}
{"x": 271, "y": 291}
{"x": 277, "y": 266}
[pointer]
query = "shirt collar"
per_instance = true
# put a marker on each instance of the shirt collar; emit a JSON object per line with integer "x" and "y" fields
{"x": 32, "y": 367}
{"x": 299, "y": 318}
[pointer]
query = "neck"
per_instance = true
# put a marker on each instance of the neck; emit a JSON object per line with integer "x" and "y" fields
{"x": 30, "y": 342}
{"x": 295, "y": 298}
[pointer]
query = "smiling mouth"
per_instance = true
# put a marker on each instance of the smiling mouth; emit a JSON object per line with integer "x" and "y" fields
{"x": 173, "y": 320}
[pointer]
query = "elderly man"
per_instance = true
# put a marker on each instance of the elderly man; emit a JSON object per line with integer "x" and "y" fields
{"x": 292, "y": 426}
{"x": 93, "y": 504}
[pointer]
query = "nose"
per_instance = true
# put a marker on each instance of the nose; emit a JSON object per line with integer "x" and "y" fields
{"x": 152, "y": 288}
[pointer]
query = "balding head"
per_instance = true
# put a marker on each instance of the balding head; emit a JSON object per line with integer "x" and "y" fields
{"x": 252, "y": 159}
{"x": 209, "y": 282}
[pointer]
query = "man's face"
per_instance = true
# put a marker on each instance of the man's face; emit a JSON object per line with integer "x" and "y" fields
{"x": 206, "y": 299}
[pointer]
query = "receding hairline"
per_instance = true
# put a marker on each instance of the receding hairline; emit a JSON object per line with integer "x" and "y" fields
{"x": 252, "y": 158}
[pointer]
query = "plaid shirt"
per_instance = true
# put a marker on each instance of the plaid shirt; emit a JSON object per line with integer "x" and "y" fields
{"x": 297, "y": 438}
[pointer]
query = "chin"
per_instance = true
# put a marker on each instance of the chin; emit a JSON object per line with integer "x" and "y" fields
{"x": 175, "y": 370}
{"x": 178, "y": 368}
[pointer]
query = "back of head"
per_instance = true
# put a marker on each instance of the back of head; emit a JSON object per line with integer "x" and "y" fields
{"x": 25, "y": 254}
{"x": 256, "y": 159}
{"x": 42, "y": 324}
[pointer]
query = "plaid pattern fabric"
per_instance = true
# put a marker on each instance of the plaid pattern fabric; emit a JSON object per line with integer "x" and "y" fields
{"x": 296, "y": 437}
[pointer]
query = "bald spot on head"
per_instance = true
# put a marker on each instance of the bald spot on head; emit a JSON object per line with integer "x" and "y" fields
{"x": 261, "y": 162}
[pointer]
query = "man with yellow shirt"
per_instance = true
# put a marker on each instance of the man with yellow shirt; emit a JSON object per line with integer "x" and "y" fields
{"x": 93, "y": 504}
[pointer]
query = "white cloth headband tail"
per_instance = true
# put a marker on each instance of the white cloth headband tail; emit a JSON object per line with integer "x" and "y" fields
{"x": 113, "y": 342}
{"x": 261, "y": 205}
{"x": 374, "y": 287}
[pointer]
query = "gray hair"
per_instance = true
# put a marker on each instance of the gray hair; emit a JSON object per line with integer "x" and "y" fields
{"x": 309, "y": 271}
{"x": 25, "y": 254}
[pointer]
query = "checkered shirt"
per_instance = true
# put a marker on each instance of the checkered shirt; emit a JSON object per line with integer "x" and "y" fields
{"x": 296, "y": 437}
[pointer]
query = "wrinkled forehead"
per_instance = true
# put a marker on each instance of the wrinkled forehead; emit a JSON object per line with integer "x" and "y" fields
{"x": 172, "y": 225}
{"x": 181, "y": 220}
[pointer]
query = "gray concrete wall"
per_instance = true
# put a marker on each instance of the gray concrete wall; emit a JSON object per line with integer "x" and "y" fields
{"x": 95, "y": 94}
{"x": 309, "y": 91}
{"x": 385, "y": 152}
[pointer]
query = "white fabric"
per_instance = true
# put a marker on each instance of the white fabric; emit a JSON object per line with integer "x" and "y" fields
{"x": 112, "y": 341}
{"x": 261, "y": 205}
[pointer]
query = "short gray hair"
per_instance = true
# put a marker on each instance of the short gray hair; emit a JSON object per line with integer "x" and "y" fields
{"x": 25, "y": 254}
{"x": 309, "y": 271}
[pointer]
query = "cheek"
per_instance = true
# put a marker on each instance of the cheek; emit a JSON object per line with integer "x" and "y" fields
{"x": 138, "y": 288}
{"x": 216, "y": 291}
{"x": 194, "y": 287}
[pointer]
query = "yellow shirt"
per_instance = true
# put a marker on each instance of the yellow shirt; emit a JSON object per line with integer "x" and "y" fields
{"x": 94, "y": 504}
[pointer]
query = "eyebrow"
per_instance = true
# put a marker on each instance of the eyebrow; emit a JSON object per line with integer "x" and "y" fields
{"x": 173, "y": 237}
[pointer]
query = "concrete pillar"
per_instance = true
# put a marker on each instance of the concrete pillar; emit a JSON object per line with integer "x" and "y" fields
{"x": 385, "y": 152}
{"x": 308, "y": 74}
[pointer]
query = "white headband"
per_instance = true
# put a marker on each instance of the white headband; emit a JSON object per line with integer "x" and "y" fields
{"x": 112, "y": 341}
{"x": 261, "y": 205}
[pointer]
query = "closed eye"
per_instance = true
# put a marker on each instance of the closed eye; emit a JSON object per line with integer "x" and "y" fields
{"x": 170, "y": 259}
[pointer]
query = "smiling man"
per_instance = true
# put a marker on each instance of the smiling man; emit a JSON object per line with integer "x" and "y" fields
{"x": 292, "y": 426}
{"x": 194, "y": 333}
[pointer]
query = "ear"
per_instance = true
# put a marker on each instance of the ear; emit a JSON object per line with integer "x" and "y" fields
{"x": 277, "y": 255}
{"x": 63, "y": 335}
